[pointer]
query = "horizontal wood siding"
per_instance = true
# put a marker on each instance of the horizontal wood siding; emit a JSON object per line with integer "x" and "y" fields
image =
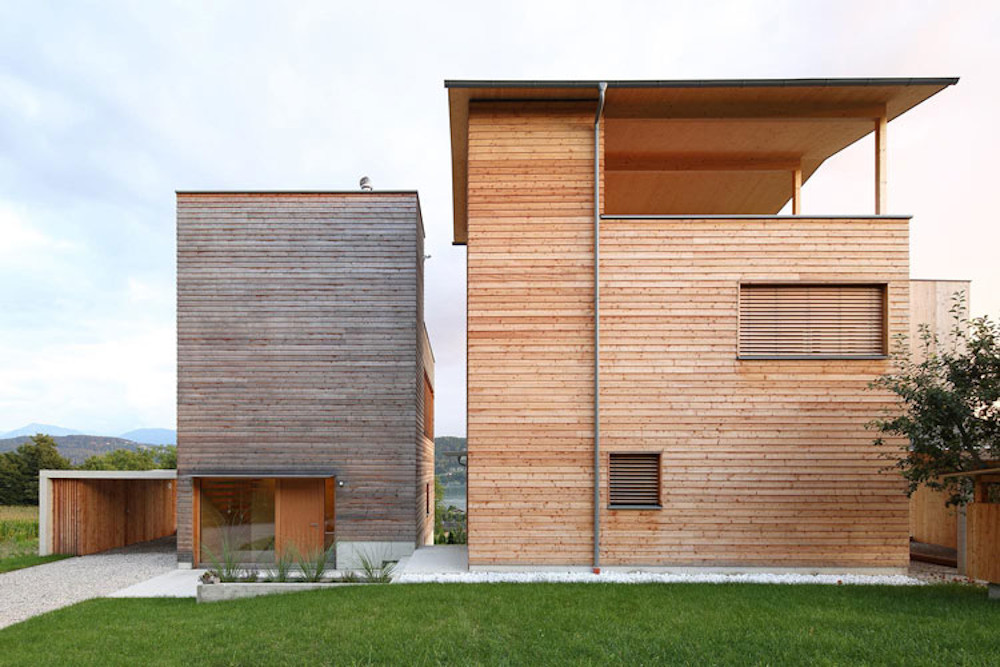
{"x": 764, "y": 462}
{"x": 424, "y": 473}
{"x": 530, "y": 337}
{"x": 297, "y": 332}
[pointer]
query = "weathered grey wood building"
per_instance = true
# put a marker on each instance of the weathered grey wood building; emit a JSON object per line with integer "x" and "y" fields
{"x": 305, "y": 376}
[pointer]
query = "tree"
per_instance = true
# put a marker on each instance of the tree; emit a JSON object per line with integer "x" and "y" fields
{"x": 146, "y": 458}
{"x": 438, "y": 511}
{"x": 950, "y": 405}
{"x": 19, "y": 469}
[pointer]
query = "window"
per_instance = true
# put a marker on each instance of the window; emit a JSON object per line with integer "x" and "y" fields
{"x": 634, "y": 480}
{"x": 428, "y": 408}
{"x": 237, "y": 519}
{"x": 812, "y": 321}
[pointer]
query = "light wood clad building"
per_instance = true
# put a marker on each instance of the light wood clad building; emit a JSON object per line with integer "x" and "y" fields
{"x": 628, "y": 269}
{"x": 304, "y": 375}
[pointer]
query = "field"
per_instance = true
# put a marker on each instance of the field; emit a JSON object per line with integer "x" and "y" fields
{"x": 529, "y": 624}
{"x": 18, "y": 530}
{"x": 19, "y": 538}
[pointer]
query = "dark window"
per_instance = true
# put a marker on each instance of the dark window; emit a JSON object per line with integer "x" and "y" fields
{"x": 804, "y": 321}
{"x": 635, "y": 480}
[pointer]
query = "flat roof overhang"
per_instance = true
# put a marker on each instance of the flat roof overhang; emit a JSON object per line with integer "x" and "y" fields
{"x": 263, "y": 475}
{"x": 751, "y": 130}
{"x": 108, "y": 474}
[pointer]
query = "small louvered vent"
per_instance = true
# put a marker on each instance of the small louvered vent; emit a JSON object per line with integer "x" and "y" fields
{"x": 812, "y": 320}
{"x": 635, "y": 480}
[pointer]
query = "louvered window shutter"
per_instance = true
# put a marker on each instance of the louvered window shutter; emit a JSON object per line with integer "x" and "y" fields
{"x": 635, "y": 479}
{"x": 839, "y": 321}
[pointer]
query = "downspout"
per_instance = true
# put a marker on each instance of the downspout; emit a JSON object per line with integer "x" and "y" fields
{"x": 602, "y": 88}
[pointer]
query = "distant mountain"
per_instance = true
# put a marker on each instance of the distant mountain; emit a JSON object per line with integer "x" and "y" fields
{"x": 33, "y": 428}
{"x": 77, "y": 447}
{"x": 152, "y": 436}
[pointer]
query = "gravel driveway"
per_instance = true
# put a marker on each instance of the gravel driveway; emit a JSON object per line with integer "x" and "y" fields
{"x": 36, "y": 590}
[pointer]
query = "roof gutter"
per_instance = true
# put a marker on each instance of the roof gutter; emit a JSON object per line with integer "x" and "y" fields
{"x": 602, "y": 88}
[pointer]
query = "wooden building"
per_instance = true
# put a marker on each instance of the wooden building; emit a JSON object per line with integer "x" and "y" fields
{"x": 305, "y": 376}
{"x": 662, "y": 369}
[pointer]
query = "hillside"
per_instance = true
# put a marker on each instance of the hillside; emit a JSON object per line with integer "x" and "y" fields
{"x": 77, "y": 447}
{"x": 446, "y": 467}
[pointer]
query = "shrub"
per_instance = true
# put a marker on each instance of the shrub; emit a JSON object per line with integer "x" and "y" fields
{"x": 282, "y": 567}
{"x": 314, "y": 565}
{"x": 376, "y": 570}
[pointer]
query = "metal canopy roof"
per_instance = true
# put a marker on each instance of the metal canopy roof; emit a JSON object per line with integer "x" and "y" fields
{"x": 668, "y": 137}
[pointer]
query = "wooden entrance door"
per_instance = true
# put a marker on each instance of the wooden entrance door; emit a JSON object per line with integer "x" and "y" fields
{"x": 298, "y": 508}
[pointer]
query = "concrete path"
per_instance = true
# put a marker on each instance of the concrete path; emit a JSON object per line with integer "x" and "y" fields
{"x": 437, "y": 559}
{"x": 36, "y": 590}
{"x": 172, "y": 584}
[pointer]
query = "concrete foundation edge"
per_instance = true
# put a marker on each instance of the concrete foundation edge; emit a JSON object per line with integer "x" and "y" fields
{"x": 872, "y": 571}
{"x": 234, "y": 591}
{"x": 349, "y": 554}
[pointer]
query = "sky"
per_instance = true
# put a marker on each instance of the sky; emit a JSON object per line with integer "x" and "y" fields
{"x": 107, "y": 108}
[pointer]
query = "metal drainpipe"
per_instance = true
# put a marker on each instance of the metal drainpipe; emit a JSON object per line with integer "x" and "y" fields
{"x": 602, "y": 87}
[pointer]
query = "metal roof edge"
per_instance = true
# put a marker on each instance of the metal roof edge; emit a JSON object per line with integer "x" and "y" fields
{"x": 297, "y": 192}
{"x": 704, "y": 83}
{"x": 750, "y": 216}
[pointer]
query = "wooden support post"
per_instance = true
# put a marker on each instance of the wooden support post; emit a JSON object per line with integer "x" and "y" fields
{"x": 797, "y": 191}
{"x": 880, "y": 176}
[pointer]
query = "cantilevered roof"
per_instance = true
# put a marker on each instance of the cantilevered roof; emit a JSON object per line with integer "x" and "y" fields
{"x": 703, "y": 147}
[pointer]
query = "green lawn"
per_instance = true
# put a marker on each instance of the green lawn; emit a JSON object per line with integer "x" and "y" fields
{"x": 11, "y": 563}
{"x": 528, "y": 624}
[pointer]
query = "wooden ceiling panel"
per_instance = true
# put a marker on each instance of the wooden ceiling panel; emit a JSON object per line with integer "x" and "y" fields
{"x": 806, "y": 138}
{"x": 719, "y": 129}
{"x": 696, "y": 192}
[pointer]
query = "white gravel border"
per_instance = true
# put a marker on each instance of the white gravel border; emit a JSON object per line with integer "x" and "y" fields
{"x": 610, "y": 577}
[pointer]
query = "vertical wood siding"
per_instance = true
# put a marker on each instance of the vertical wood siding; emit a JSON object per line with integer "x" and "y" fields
{"x": 931, "y": 520}
{"x": 298, "y": 323}
{"x": 91, "y": 515}
{"x": 983, "y": 546}
{"x": 930, "y": 304}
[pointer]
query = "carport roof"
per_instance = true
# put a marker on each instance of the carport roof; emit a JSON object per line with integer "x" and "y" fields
{"x": 108, "y": 474}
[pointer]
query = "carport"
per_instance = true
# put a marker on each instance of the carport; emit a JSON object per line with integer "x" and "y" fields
{"x": 86, "y": 511}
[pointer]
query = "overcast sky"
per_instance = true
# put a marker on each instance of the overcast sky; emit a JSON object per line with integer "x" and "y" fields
{"x": 107, "y": 108}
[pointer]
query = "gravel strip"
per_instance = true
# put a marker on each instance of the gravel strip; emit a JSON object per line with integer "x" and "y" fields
{"x": 36, "y": 590}
{"x": 656, "y": 578}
